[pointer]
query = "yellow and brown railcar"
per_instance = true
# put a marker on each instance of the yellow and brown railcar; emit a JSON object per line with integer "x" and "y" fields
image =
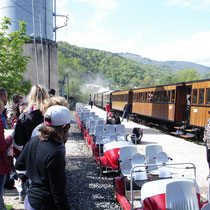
{"x": 183, "y": 103}
{"x": 120, "y": 98}
{"x": 155, "y": 102}
{"x": 199, "y": 103}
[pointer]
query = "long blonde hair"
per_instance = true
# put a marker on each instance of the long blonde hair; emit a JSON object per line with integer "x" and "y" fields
{"x": 38, "y": 97}
{"x": 55, "y": 100}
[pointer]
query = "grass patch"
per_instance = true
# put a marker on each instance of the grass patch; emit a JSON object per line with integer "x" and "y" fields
{"x": 9, "y": 207}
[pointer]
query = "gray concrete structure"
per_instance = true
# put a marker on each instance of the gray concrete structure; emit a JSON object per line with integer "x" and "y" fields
{"x": 46, "y": 72}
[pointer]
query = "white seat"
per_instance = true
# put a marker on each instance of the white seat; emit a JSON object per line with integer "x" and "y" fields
{"x": 181, "y": 195}
{"x": 92, "y": 114}
{"x": 100, "y": 122}
{"x": 151, "y": 155}
{"x": 99, "y": 130}
{"x": 120, "y": 129}
{"x": 126, "y": 154}
{"x": 110, "y": 130}
{"x": 92, "y": 123}
{"x": 164, "y": 171}
{"x": 139, "y": 172}
{"x": 92, "y": 130}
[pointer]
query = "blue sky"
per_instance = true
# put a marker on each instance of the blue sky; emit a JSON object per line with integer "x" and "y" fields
{"x": 156, "y": 29}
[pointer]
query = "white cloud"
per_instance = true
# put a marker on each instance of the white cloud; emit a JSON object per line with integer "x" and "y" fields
{"x": 131, "y": 45}
{"x": 91, "y": 39}
{"x": 196, "y": 4}
{"x": 102, "y": 4}
{"x": 96, "y": 19}
{"x": 195, "y": 49}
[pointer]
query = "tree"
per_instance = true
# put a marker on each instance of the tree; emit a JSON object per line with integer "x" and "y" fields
{"x": 148, "y": 82}
{"x": 166, "y": 80}
{"x": 12, "y": 62}
{"x": 188, "y": 74}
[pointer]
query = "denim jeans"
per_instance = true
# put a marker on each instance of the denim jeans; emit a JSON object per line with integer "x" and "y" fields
{"x": 124, "y": 113}
{"x": 2, "y": 182}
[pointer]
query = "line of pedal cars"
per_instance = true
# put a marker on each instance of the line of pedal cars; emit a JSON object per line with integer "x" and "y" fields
{"x": 148, "y": 183}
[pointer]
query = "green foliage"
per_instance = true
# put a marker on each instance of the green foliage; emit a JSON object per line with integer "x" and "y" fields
{"x": 12, "y": 62}
{"x": 148, "y": 82}
{"x": 206, "y": 76}
{"x": 9, "y": 207}
{"x": 186, "y": 75}
{"x": 116, "y": 72}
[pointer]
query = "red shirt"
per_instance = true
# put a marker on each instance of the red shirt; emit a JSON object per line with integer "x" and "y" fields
{"x": 4, "y": 145}
{"x": 107, "y": 107}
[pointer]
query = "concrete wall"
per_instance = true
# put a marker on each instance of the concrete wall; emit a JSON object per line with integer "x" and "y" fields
{"x": 47, "y": 64}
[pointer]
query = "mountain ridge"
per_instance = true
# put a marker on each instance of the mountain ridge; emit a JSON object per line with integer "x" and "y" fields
{"x": 174, "y": 65}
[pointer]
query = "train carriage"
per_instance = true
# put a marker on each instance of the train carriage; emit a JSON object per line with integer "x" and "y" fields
{"x": 181, "y": 106}
{"x": 98, "y": 99}
{"x": 182, "y": 103}
{"x": 120, "y": 98}
{"x": 199, "y": 111}
{"x": 106, "y": 98}
{"x": 156, "y": 102}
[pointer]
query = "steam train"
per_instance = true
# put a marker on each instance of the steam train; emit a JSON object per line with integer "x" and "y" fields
{"x": 182, "y": 105}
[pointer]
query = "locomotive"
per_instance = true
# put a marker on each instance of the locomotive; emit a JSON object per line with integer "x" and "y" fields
{"x": 181, "y": 106}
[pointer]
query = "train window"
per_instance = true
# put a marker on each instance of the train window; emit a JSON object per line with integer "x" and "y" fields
{"x": 208, "y": 96}
{"x": 173, "y": 96}
{"x": 158, "y": 96}
{"x": 124, "y": 97}
{"x": 195, "y": 96}
{"x": 168, "y": 96}
{"x": 161, "y": 96}
{"x": 164, "y": 96}
{"x": 135, "y": 97}
{"x": 201, "y": 96}
{"x": 151, "y": 96}
{"x": 146, "y": 96}
{"x": 141, "y": 96}
{"x": 155, "y": 96}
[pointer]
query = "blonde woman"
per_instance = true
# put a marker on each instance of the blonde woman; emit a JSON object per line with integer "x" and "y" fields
{"x": 32, "y": 115}
{"x": 55, "y": 100}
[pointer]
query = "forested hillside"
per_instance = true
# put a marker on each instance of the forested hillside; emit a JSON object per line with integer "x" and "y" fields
{"x": 173, "y": 65}
{"x": 90, "y": 66}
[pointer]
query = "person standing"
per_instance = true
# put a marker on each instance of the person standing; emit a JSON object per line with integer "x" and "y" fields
{"x": 107, "y": 108}
{"x": 32, "y": 114}
{"x": 4, "y": 161}
{"x": 43, "y": 158}
{"x": 126, "y": 111}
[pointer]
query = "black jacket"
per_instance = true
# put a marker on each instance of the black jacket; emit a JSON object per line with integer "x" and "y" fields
{"x": 44, "y": 162}
{"x": 114, "y": 121}
{"x": 25, "y": 125}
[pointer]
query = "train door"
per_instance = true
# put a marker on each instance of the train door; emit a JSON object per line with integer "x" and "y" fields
{"x": 180, "y": 103}
{"x": 130, "y": 100}
{"x": 188, "y": 103}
